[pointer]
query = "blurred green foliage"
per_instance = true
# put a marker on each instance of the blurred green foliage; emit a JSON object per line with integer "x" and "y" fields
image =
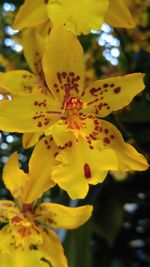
{"x": 118, "y": 235}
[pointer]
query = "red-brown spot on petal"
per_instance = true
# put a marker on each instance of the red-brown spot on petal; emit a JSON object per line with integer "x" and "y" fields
{"x": 64, "y": 74}
{"x": 105, "y": 104}
{"x": 39, "y": 124}
{"x": 96, "y": 128}
{"x": 16, "y": 219}
{"x": 106, "y": 131}
{"x": 70, "y": 143}
{"x": 117, "y": 90}
{"x": 71, "y": 74}
{"x": 87, "y": 171}
{"x": 105, "y": 85}
{"x": 106, "y": 140}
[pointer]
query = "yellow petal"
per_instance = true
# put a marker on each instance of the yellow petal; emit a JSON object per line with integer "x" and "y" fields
{"x": 8, "y": 210}
{"x": 29, "y": 113}
{"x": 13, "y": 237}
{"x": 63, "y": 64}
{"x": 81, "y": 166}
{"x": 40, "y": 168}
{"x": 129, "y": 159}
{"x": 59, "y": 216}
{"x": 78, "y": 16}
{"x": 24, "y": 82}
{"x": 19, "y": 258}
{"x": 118, "y": 15}
{"x": 60, "y": 132}
{"x": 34, "y": 53}
{"x": 30, "y": 14}
{"x": 30, "y": 139}
{"x": 105, "y": 96}
{"x": 5, "y": 237}
{"x": 14, "y": 178}
{"x": 2, "y": 90}
{"x": 52, "y": 249}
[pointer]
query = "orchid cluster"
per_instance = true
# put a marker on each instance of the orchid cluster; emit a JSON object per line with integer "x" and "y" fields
{"x": 63, "y": 119}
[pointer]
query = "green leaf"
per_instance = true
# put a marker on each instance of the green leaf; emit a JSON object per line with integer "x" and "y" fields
{"x": 77, "y": 246}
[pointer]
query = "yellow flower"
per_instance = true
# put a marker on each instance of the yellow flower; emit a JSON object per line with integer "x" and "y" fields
{"x": 80, "y": 16}
{"x": 28, "y": 226}
{"x": 88, "y": 147}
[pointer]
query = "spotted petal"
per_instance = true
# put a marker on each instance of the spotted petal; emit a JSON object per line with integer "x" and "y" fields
{"x": 31, "y": 113}
{"x": 78, "y": 16}
{"x": 8, "y": 210}
{"x": 19, "y": 258}
{"x": 80, "y": 166}
{"x": 13, "y": 237}
{"x": 106, "y": 96}
{"x": 30, "y": 14}
{"x": 40, "y": 169}
{"x": 52, "y": 249}
{"x": 129, "y": 159}
{"x": 24, "y": 82}
{"x": 59, "y": 216}
{"x": 63, "y": 64}
{"x": 118, "y": 15}
{"x": 14, "y": 178}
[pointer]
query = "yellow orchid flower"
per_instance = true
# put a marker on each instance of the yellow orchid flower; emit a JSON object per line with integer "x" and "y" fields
{"x": 28, "y": 226}
{"x": 80, "y": 16}
{"x": 88, "y": 147}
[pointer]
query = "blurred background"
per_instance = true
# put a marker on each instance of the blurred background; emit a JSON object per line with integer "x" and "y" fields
{"x": 118, "y": 235}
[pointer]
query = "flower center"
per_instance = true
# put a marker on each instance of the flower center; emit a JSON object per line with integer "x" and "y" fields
{"x": 25, "y": 224}
{"x": 73, "y": 109}
{"x": 22, "y": 220}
